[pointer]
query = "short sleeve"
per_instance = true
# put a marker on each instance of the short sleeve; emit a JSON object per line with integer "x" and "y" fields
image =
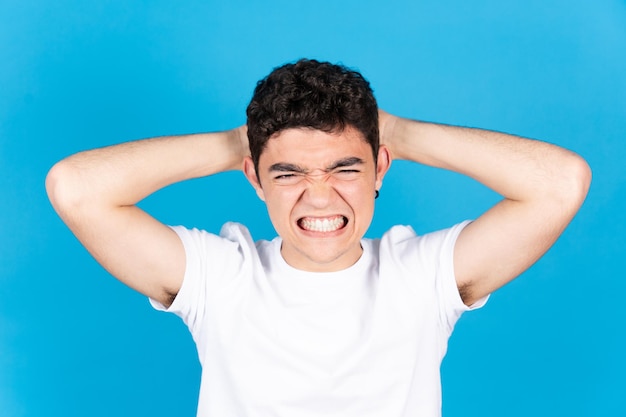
{"x": 211, "y": 261}
{"x": 451, "y": 305}
{"x": 428, "y": 263}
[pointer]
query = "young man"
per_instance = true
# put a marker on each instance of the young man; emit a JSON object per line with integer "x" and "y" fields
{"x": 319, "y": 321}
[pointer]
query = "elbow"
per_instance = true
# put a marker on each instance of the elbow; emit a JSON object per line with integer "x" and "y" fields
{"x": 62, "y": 187}
{"x": 582, "y": 178}
{"x": 53, "y": 182}
{"x": 576, "y": 176}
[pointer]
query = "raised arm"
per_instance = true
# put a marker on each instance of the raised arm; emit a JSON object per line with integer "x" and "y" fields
{"x": 543, "y": 187}
{"x": 95, "y": 193}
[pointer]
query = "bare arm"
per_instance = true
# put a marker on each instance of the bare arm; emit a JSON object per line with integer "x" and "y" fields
{"x": 95, "y": 193}
{"x": 543, "y": 187}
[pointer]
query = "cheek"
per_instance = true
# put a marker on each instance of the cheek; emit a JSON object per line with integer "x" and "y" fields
{"x": 360, "y": 198}
{"x": 280, "y": 203}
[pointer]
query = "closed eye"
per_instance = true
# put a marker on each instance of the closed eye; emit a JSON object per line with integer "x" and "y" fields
{"x": 347, "y": 170}
{"x": 346, "y": 174}
{"x": 288, "y": 178}
{"x": 284, "y": 176}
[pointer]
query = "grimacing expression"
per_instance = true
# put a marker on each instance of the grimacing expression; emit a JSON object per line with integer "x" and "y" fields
{"x": 319, "y": 190}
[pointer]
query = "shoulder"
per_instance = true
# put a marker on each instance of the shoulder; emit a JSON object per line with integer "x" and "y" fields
{"x": 215, "y": 260}
{"x": 211, "y": 253}
{"x": 231, "y": 234}
{"x": 403, "y": 240}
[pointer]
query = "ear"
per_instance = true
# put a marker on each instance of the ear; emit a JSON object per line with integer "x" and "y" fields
{"x": 382, "y": 165}
{"x": 250, "y": 173}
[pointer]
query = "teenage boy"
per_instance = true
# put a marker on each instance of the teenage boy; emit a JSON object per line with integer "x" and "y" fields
{"x": 319, "y": 321}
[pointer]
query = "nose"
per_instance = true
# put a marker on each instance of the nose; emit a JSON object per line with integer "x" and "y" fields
{"x": 318, "y": 192}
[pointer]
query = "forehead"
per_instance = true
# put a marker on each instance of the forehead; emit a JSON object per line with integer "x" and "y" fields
{"x": 311, "y": 147}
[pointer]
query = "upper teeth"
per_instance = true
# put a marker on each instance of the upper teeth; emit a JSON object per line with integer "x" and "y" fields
{"x": 323, "y": 225}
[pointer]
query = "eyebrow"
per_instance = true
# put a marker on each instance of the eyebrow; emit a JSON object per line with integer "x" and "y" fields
{"x": 341, "y": 163}
{"x": 285, "y": 167}
{"x": 345, "y": 162}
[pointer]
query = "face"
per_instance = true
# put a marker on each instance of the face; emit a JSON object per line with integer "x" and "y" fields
{"x": 319, "y": 190}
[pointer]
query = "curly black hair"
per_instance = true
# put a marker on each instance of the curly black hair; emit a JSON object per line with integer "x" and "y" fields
{"x": 313, "y": 94}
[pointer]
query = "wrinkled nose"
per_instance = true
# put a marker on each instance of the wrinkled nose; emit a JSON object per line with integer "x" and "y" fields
{"x": 318, "y": 193}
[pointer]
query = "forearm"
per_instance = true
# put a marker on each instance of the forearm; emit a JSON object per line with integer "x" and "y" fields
{"x": 517, "y": 168}
{"x": 123, "y": 174}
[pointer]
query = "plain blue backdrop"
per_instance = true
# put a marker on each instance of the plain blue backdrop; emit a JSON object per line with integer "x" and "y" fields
{"x": 82, "y": 74}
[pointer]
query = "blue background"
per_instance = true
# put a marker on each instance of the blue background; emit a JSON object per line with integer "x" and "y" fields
{"x": 81, "y": 74}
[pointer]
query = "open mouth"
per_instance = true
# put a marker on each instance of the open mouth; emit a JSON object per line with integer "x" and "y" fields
{"x": 326, "y": 224}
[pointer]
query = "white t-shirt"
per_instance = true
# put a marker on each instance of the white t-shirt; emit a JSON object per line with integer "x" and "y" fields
{"x": 276, "y": 341}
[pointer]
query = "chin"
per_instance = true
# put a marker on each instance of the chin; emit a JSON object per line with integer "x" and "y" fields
{"x": 331, "y": 260}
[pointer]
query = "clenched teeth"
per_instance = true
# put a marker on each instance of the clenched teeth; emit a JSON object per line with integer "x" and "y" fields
{"x": 323, "y": 225}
